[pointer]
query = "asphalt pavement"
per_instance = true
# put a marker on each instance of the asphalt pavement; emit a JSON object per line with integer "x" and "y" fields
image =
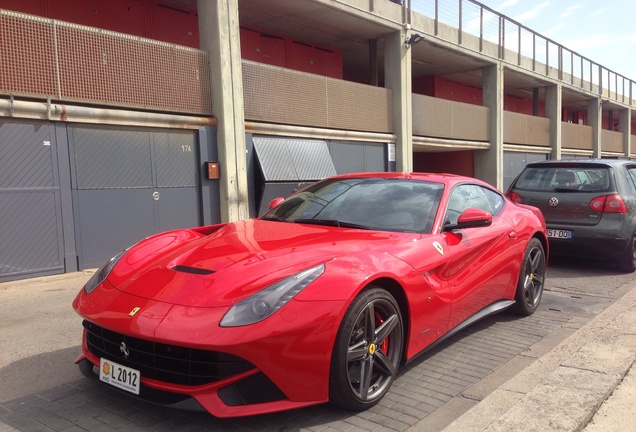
{"x": 560, "y": 374}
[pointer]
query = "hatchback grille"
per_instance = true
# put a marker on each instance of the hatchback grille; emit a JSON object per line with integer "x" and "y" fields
{"x": 168, "y": 363}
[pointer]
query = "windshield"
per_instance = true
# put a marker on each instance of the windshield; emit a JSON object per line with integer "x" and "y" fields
{"x": 564, "y": 179}
{"x": 366, "y": 203}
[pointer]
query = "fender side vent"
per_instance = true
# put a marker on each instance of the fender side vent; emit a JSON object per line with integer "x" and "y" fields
{"x": 193, "y": 270}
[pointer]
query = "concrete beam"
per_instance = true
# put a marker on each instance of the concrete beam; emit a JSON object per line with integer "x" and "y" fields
{"x": 489, "y": 163}
{"x": 595, "y": 119}
{"x": 397, "y": 72}
{"x": 625, "y": 127}
{"x": 553, "y": 108}
{"x": 219, "y": 35}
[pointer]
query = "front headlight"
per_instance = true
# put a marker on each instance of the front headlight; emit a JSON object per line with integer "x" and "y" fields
{"x": 101, "y": 274}
{"x": 264, "y": 303}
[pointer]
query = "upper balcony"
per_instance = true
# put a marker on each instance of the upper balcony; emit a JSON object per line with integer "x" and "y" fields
{"x": 49, "y": 59}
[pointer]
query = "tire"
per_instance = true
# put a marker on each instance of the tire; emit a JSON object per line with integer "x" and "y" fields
{"x": 367, "y": 351}
{"x": 627, "y": 262}
{"x": 531, "y": 279}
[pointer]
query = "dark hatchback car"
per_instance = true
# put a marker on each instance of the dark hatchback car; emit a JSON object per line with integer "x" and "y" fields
{"x": 589, "y": 206}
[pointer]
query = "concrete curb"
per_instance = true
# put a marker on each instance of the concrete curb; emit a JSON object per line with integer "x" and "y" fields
{"x": 564, "y": 388}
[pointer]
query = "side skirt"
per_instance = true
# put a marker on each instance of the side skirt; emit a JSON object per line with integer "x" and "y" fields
{"x": 492, "y": 309}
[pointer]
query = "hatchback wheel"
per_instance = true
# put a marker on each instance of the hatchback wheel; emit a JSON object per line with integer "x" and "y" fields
{"x": 367, "y": 352}
{"x": 627, "y": 262}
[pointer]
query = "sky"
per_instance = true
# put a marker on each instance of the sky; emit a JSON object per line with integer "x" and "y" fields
{"x": 603, "y": 31}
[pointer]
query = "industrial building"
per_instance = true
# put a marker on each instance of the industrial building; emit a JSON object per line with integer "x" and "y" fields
{"x": 123, "y": 118}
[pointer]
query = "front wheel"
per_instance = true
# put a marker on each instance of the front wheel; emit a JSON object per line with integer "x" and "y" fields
{"x": 531, "y": 279}
{"x": 627, "y": 262}
{"x": 367, "y": 352}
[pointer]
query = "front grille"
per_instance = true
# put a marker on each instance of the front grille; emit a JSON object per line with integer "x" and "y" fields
{"x": 168, "y": 363}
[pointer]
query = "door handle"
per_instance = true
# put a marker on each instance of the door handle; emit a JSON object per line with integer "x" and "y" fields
{"x": 512, "y": 234}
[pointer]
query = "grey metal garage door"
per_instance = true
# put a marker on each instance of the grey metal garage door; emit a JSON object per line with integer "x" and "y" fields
{"x": 30, "y": 210}
{"x": 129, "y": 184}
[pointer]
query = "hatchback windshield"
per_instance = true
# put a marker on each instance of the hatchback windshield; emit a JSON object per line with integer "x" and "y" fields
{"x": 369, "y": 203}
{"x": 564, "y": 179}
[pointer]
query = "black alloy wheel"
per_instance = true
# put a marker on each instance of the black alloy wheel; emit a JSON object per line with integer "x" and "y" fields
{"x": 531, "y": 279}
{"x": 367, "y": 352}
{"x": 627, "y": 262}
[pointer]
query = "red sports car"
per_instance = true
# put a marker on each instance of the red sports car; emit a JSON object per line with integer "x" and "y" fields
{"x": 321, "y": 299}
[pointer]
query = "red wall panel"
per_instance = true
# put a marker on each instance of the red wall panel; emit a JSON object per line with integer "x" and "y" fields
{"x": 125, "y": 16}
{"x": 32, "y": 7}
{"x": 177, "y": 26}
{"x": 458, "y": 162}
{"x": 313, "y": 59}
{"x": 273, "y": 50}
{"x": 250, "y": 44}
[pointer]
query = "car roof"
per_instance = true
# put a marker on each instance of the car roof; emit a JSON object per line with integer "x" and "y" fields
{"x": 582, "y": 162}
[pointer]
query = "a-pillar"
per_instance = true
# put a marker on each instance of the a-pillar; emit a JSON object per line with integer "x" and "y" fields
{"x": 625, "y": 127}
{"x": 219, "y": 36}
{"x": 553, "y": 108}
{"x": 595, "y": 120}
{"x": 397, "y": 72}
{"x": 489, "y": 163}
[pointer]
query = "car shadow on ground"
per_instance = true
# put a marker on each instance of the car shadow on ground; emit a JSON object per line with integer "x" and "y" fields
{"x": 569, "y": 266}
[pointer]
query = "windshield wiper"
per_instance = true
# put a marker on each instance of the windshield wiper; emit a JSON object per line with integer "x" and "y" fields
{"x": 331, "y": 222}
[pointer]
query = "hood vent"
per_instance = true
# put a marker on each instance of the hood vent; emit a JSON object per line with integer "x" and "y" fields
{"x": 193, "y": 270}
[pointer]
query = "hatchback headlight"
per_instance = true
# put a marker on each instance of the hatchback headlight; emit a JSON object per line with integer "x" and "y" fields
{"x": 264, "y": 303}
{"x": 101, "y": 274}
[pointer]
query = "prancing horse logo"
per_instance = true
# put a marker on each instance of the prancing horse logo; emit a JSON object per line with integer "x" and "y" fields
{"x": 124, "y": 350}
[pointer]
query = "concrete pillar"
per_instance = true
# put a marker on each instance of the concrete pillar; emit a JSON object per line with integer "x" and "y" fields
{"x": 595, "y": 119}
{"x": 553, "y": 109}
{"x": 489, "y": 163}
{"x": 397, "y": 76}
{"x": 535, "y": 102}
{"x": 374, "y": 79}
{"x": 625, "y": 127}
{"x": 219, "y": 35}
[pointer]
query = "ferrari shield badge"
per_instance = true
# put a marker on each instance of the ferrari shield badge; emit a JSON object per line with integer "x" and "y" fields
{"x": 134, "y": 311}
{"x": 439, "y": 248}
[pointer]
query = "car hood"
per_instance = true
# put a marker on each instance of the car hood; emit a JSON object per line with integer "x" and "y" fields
{"x": 190, "y": 268}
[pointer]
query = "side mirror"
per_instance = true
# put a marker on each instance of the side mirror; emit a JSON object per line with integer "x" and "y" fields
{"x": 273, "y": 203}
{"x": 471, "y": 218}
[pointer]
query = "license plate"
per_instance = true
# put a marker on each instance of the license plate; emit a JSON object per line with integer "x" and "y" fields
{"x": 119, "y": 376}
{"x": 560, "y": 234}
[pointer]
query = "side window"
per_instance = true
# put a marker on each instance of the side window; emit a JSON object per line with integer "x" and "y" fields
{"x": 632, "y": 177}
{"x": 468, "y": 196}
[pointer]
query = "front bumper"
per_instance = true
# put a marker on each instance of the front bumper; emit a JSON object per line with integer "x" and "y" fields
{"x": 288, "y": 354}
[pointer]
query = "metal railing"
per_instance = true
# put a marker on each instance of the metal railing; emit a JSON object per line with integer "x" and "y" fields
{"x": 521, "y": 46}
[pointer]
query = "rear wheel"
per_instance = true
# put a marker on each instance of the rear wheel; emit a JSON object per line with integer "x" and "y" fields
{"x": 531, "y": 278}
{"x": 627, "y": 262}
{"x": 367, "y": 352}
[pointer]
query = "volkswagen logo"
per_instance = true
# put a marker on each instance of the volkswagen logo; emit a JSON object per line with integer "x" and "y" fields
{"x": 124, "y": 350}
{"x": 553, "y": 202}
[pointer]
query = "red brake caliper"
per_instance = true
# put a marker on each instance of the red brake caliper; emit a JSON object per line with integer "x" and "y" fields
{"x": 384, "y": 346}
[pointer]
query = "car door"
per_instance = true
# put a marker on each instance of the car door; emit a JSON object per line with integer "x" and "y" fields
{"x": 482, "y": 258}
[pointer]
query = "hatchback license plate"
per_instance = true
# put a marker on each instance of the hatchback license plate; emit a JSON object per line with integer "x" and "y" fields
{"x": 119, "y": 376}
{"x": 560, "y": 234}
